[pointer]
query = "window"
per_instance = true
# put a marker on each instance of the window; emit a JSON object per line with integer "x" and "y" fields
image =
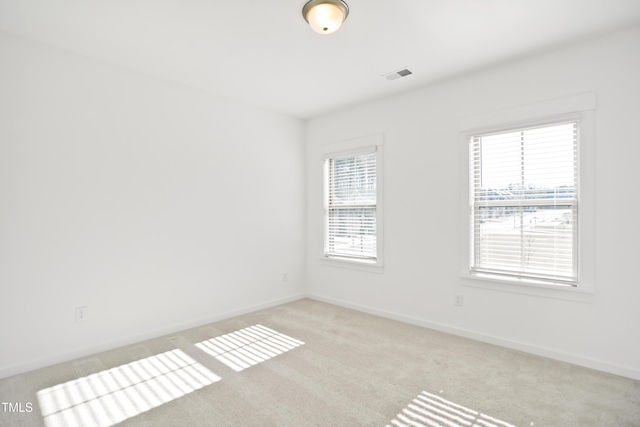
{"x": 350, "y": 223}
{"x": 524, "y": 203}
{"x": 352, "y": 209}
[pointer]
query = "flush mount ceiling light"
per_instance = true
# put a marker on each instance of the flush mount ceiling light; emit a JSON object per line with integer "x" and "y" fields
{"x": 325, "y": 16}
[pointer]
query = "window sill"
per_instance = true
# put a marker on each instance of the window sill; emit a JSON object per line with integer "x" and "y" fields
{"x": 572, "y": 293}
{"x": 369, "y": 266}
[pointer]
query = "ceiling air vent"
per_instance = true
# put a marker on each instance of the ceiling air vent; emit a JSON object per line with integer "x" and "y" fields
{"x": 397, "y": 74}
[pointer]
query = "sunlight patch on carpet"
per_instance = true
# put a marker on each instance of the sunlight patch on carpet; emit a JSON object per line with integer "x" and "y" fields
{"x": 430, "y": 410}
{"x": 247, "y": 347}
{"x": 114, "y": 395}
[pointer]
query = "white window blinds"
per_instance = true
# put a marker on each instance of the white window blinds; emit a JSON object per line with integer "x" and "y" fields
{"x": 351, "y": 206}
{"x": 524, "y": 203}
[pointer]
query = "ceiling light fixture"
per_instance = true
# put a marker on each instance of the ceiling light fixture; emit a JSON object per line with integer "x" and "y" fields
{"x": 325, "y": 16}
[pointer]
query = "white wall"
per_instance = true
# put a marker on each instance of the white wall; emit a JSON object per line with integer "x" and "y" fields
{"x": 422, "y": 208}
{"x": 157, "y": 206}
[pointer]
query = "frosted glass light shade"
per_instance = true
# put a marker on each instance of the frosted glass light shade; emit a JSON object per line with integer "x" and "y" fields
{"x": 325, "y": 16}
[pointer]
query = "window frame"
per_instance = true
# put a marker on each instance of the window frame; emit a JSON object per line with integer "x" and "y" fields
{"x": 475, "y": 207}
{"x": 353, "y": 147}
{"x": 580, "y": 108}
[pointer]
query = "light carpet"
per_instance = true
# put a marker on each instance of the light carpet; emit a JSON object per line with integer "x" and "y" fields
{"x": 309, "y": 363}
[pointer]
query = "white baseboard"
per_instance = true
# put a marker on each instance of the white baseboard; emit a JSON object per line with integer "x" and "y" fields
{"x": 586, "y": 362}
{"x": 155, "y": 333}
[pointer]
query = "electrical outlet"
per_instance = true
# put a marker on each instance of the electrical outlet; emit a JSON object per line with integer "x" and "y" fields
{"x": 81, "y": 314}
{"x": 457, "y": 300}
{"x": 285, "y": 277}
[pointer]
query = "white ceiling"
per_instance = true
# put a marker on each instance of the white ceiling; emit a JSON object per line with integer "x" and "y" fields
{"x": 262, "y": 52}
